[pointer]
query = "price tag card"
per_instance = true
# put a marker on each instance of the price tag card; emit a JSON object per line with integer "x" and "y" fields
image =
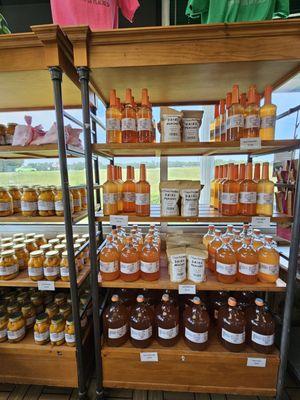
{"x": 250, "y": 143}
{"x": 256, "y": 362}
{"x": 46, "y": 285}
{"x": 149, "y": 356}
{"x": 280, "y": 283}
{"x": 261, "y": 222}
{"x": 118, "y": 220}
{"x": 187, "y": 289}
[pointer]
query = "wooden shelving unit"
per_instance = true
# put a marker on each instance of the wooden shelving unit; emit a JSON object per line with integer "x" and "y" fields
{"x": 19, "y": 218}
{"x": 41, "y": 151}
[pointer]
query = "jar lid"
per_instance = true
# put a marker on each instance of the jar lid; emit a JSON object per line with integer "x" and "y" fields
{"x": 19, "y": 246}
{"x": 13, "y": 187}
{"x": 80, "y": 241}
{"x": 59, "y": 247}
{"x": 36, "y": 296}
{"x": 39, "y": 236}
{"x": 65, "y": 254}
{"x": 70, "y": 320}
{"x": 8, "y": 253}
{"x": 52, "y": 306}
{"x": 61, "y": 236}
{"x": 3, "y": 316}
{"x": 7, "y": 246}
{"x": 31, "y": 240}
{"x": 114, "y": 298}
{"x": 27, "y": 306}
{"x": 76, "y": 246}
{"x": 64, "y": 307}
{"x": 30, "y": 235}
{"x": 86, "y": 236}
{"x": 54, "y": 241}
{"x": 18, "y": 235}
{"x": 76, "y": 236}
{"x": 43, "y": 317}
{"x": 57, "y": 319}
{"x": 52, "y": 253}
{"x": 232, "y": 301}
{"x": 15, "y": 316}
{"x": 45, "y": 189}
{"x": 6, "y": 240}
{"x": 45, "y": 246}
{"x": 259, "y": 302}
{"x": 36, "y": 253}
{"x": 19, "y": 240}
{"x": 29, "y": 189}
{"x": 3, "y": 189}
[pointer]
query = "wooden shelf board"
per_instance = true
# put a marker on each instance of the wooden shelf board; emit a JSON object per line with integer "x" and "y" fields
{"x": 19, "y": 218}
{"x": 206, "y": 214}
{"x": 28, "y": 152}
{"x": 23, "y": 280}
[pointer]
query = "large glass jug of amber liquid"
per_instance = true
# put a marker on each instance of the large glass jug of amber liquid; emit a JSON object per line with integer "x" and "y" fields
{"x": 115, "y": 323}
{"x": 109, "y": 261}
{"x": 196, "y": 325}
{"x": 212, "y": 248}
{"x": 167, "y": 322}
{"x": 226, "y": 265}
{"x": 149, "y": 259}
{"x": 141, "y": 324}
{"x": 247, "y": 259}
{"x": 129, "y": 262}
{"x": 268, "y": 258}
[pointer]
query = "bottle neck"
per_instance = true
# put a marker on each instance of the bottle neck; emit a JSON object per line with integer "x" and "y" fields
{"x": 265, "y": 173}
{"x": 142, "y": 172}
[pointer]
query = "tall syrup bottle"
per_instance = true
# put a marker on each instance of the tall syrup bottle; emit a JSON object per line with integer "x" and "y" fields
{"x": 228, "y": 106}
{"x": 144, "y": 120}
{"x": 119, "y": 182}
{"x": 248, "y": 193}
{"x": 223, "y": 120}
{"x": 141, "y": 324}
{"x": 252, "y": 119}
{"x": 236, "y": 116}
{"x": 217, "y": 186}
{"x": 256, "y": 176}
{"x": 129, "y": 133}
{"x": 129, "y": 191}
{"x": 167, "y": 322}
{"x": 110, "y": 193}
{"x": 220, "y": 184}
{"x": 213, "y": 184}
{"x": 217, "y": 123}
{"x": 115, "y": 323}
{"x": 267, "y": 116}
{"x": 142, "y": 194}
{"x": 230, "y": 194}
{"x": 113, "y": 120}
{"x": 265, "y": 193}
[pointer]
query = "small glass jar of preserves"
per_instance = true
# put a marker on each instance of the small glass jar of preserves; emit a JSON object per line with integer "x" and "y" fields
{"x": 29, "y": 314}
{"x": 22, "y": 297}
{"x": 83, "y": 194}
{"x": 65, "y": 310}
{"x": 51, "y": 265}
{"x": 53, "y": 242}
{"x": 35, "y": 265}
{"x": 60, "y": 248}
{"x": 2, "y": 134}
{"x": 36, "y": 299}
{"x": 31, "y": 245}
{"x": 9, "y": 266}
{"x": 42, "y": 329}
{"x": 16, "y": 197}
{"x": 52, "y": 310}
{"x": 61, "y": 236}
{"x": 12, "y": 307}
{"x": 60, "y": 298}
{"x": 6, "y": 240}
{"x": 58, "y": 202}
{"x": 22, "y": 255}
{"x": 6, "y": 203}
{"x": 64, "y": 267}
{"x": 3, "y": 326}
{"x": 18, "y": 240}
{"x": 48, "y": 298}
{"x": 40, "y": 239}
{"x": 9, "y": 296}
{"x": 46, "y": 202}
{"x": 79, "y": 260}
{"x": 29, "y": 202}
{"x": 57, "y": 330}
{"x": 70, "y": 332}
{"x": 9, "y": 133}
{"x": 46, "y": 247}
{"x": 76, "y": 199}
{"x": 30, "y": 235}
{"x": 16, "y": 327}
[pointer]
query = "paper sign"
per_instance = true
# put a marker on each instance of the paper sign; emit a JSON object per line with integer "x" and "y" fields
{"x": 46, "y": 285}
{"x": 118, "y": 220}
{"x": 256, "y": 362}
{"x": 187, "y": 289}
{"x": 280, "y": 283}
{"x": 149, "y": 356}
{"x": 261, "y": 222}
{"x": 250, "y": 143}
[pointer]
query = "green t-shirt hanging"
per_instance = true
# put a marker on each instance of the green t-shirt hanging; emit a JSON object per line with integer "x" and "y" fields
{"x": 214, "y": 11}
{"x": 3, "y": 25}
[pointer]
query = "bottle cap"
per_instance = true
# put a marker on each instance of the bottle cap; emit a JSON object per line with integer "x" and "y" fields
{"x": 259, "y": 302}
{"x": 210, "y": 226}
{"x": 268, "y": 238}
{"x": 256, "y": 231}
{"x": 114, "y": 298}
{"x": 232, "y": 301}
{"x": 217, "y": 232}
{"x": 140, "y": 298}
{"x": 196, "y": 300}
{"x": 165, "y": 297}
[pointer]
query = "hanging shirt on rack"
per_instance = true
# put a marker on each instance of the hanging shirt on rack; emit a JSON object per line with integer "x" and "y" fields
{"x": 98, "y": 14}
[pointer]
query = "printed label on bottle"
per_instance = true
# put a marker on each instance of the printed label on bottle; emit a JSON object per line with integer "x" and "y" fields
{"x": 234, "y": 338}
{"x": 5, "y": 206}
{"x": 35, "y": 271}
{"x": 128, "y": 124}
{"x": 110, "y": 198}
{"x": 56, "y": 337}
{"x": 217, "y": 131}
{"x": 236, "y": 121}
{"x": 141, "y": 334}
{"x": 69, "y": 338}
{"x": 3, "y": 333}
{"x": 169, "y": 202}
{"x": 129, "y": 268}
{"x": 149, "y": 267}
{"x": 263, "y": 340}
{"x": 190, "y": 129}
{"x": 230, "y": 198}
{"x": 178, "y": 268}
{"x": 195, "y": 337}
{"x": 29, "y": 205}
{"x": 21, "y": 262}
{"x": 252, "y": 121}
{"x": 223, "y": 128}
{"x": 144, "y": 124}
{"x": 117, "y": 333}
{"x": 171, "y": 128}
{"x": 9, "y": 139}
{"x": 168, "y": 333}
{"x": 248, "y": 269}
{"x": 248, "y": 197}
{"x": 190, "y": 202}
{"x": 196, "y": 268}
{"x": 109, "y": 267}
{"x": 12, "y": 269}
{"x": 13, "y": 335}
{"x": 77, "y": 202}
{"x": 268, "y": 121}
{"x": 113, "y": 124}
{"x": 17, "y": 203}
{"x": 58, "y": 205}
{"x": 30, "y": 321}
{"x": 226, "y": 269}
{"x": 269, "y": 269}
{"x": 84, "y": 200}
{"x": 40, "y": 337}
{"x": 120, "y": 196}
{"x": 129, "y": 197}
{"x": 64, "y": 271}
{"x": 45, "y": 205}
{"x": 142, "y": 199}
{"x": 51, "y": 271}
{"x": 265, "y": 198}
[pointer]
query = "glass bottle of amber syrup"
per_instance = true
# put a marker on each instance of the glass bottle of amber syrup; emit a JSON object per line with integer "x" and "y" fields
{"x": 265, "y": 193}
{"x": 149, "y": 258}
{"x": 209, "y": 236}
{"x": 128, "y": 125}
{"x": 220, "y": 184}
{"x": 217, "y": 188}
{"x": 119, "y": 182}
{"x": 267, "y": 116}
{"x": 268, "y": 259}
{"x": 129, "y": 191}
{"x": 228, "y": 106}
{"x": 113, "y": 120}
{"x": 217, "y": 124}
{"x": 196, "y": 325}
{"x": 109, "y": 261}
{"x": 256, "y": 177}
{"x": 236, "y": 242}
{"x": 144, "y": 120}
{"x": 226, "y": 265}
{"x": 230, "y": 194}
{"x": 142, "y": 194}
{"x": 167, "y": 322}
{"x": 213, "y": 184}
{"x": 223, "y": 120}
{"x": 252, "y": 119}
{"x": 248, "y": 193}
{"x": 110, "y": 193}
{"x": 247, "y": 259}
{"x": 141, "y": 324}
{"x": 257, "y": 239}
{"x": 232, "y": 327}
{"x": 262, "y": 329}
{"x": 236, "y": 116}
{"x": 212, "y": 248}
{"x": 129, "y": 262}
{"x": 115, "y": 323}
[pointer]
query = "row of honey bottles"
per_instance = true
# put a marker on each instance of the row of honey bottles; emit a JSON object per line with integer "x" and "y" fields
{"x": 126, "y": 197}
{"x": 164, "y": 322}
{"x": 242, "y": 255}
{"x": 240, "y": 116}
{"x": 128, "y": 122}
{"x": 236, "y": 191}
{"x": 130, "y": 257}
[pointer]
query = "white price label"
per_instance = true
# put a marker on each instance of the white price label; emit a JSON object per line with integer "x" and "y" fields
{"x": 250, "y": 143}
{"x": 260, "y": 222}
{"x": 187, "y": 289}
{"x": 46, "y": 285}
{"x": 118, "y": 220}
{"x": 149, "y": 356}
{"x": 256, "y": 362}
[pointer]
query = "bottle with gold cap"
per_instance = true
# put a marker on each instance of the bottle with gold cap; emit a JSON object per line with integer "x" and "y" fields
{"x": 109, "y": 260}
{"x": 230, "y": 194}
{"x": 209, "y": 236}
{"x": 128, "y": 123}
{"x": 129, "y": 191}
{"x": 213, "y": 184}
{"x": 247, "y": 259}
{"x": 252, "y": 119}
{"x": 223, "y": 120}
{"x": 113, "y": 120}
{"x": 213, "y": 246}
{"x": 268, "y": 259}
{"x": 248, "y": 193}
{"x": 141, "y": 324}
{"x": 236, "y": 116}
{"x": 110, "y": 193}
{"x": 142, "y": 194}
{"x": 226, "y": 264}
{"x": 167, "y": 322}
{"x": 115, "y": 323}
{"x": 144, "y": 120}
{"x": 265, "y": 193}
{"x": 217, "y": 124}
{"x": 267, "y": 116}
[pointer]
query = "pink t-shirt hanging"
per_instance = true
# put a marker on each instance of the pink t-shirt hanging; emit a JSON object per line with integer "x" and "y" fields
{"x": 98, "y": 14}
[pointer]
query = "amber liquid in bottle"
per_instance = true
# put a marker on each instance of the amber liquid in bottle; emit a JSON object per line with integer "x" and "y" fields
{"x": 129, "y": 262}
{"x": 128, "y": 125}
{"x": 236, "y": 116}
{"x": 212, "y": 249}
{"x": 261, "y": 329}
{"x": 223, "y": 120}
{"x": 230, "y": 194}
{"x": 109, "y": 261}
{"x": 149, "y": 261}
{"x": 229, "y": 233}
{"x": 209, "y": 236}
{"x": 268, "y": 259}
{"x": 248, "y": 193}
{"x": 110, "y": 194}
{"x": 228, "y": 106}
{"x": 217, "y": 186}
{"x": 141, "y": 324}
{"x": 267, "y": 116}
{"x": 144, "y": 120}
{"x": 226, "y": 265}
{"x": 256, "y": 177}
{"x": 129, "y": 191}
{"x": 213, "y": 184}
{"x": 167, "y": 322}
{"x": 252, "y": 119}
{"x": 217, "y": 124}
{"x": 115, "y": 323}
{"x": 113, "y": 120}
{"x": 142, "y": 194}
{"x": 265, "y": 193}
{"x": 247, "y": 259}
{"x": 236, "y": 242}
{"x": 257, "y": 239}
{"x": 119, "y": 182}
{"x": 220, "y": 185}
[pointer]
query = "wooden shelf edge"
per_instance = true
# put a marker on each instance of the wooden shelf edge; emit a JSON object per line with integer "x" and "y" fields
{"x": 19, "y": 218}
